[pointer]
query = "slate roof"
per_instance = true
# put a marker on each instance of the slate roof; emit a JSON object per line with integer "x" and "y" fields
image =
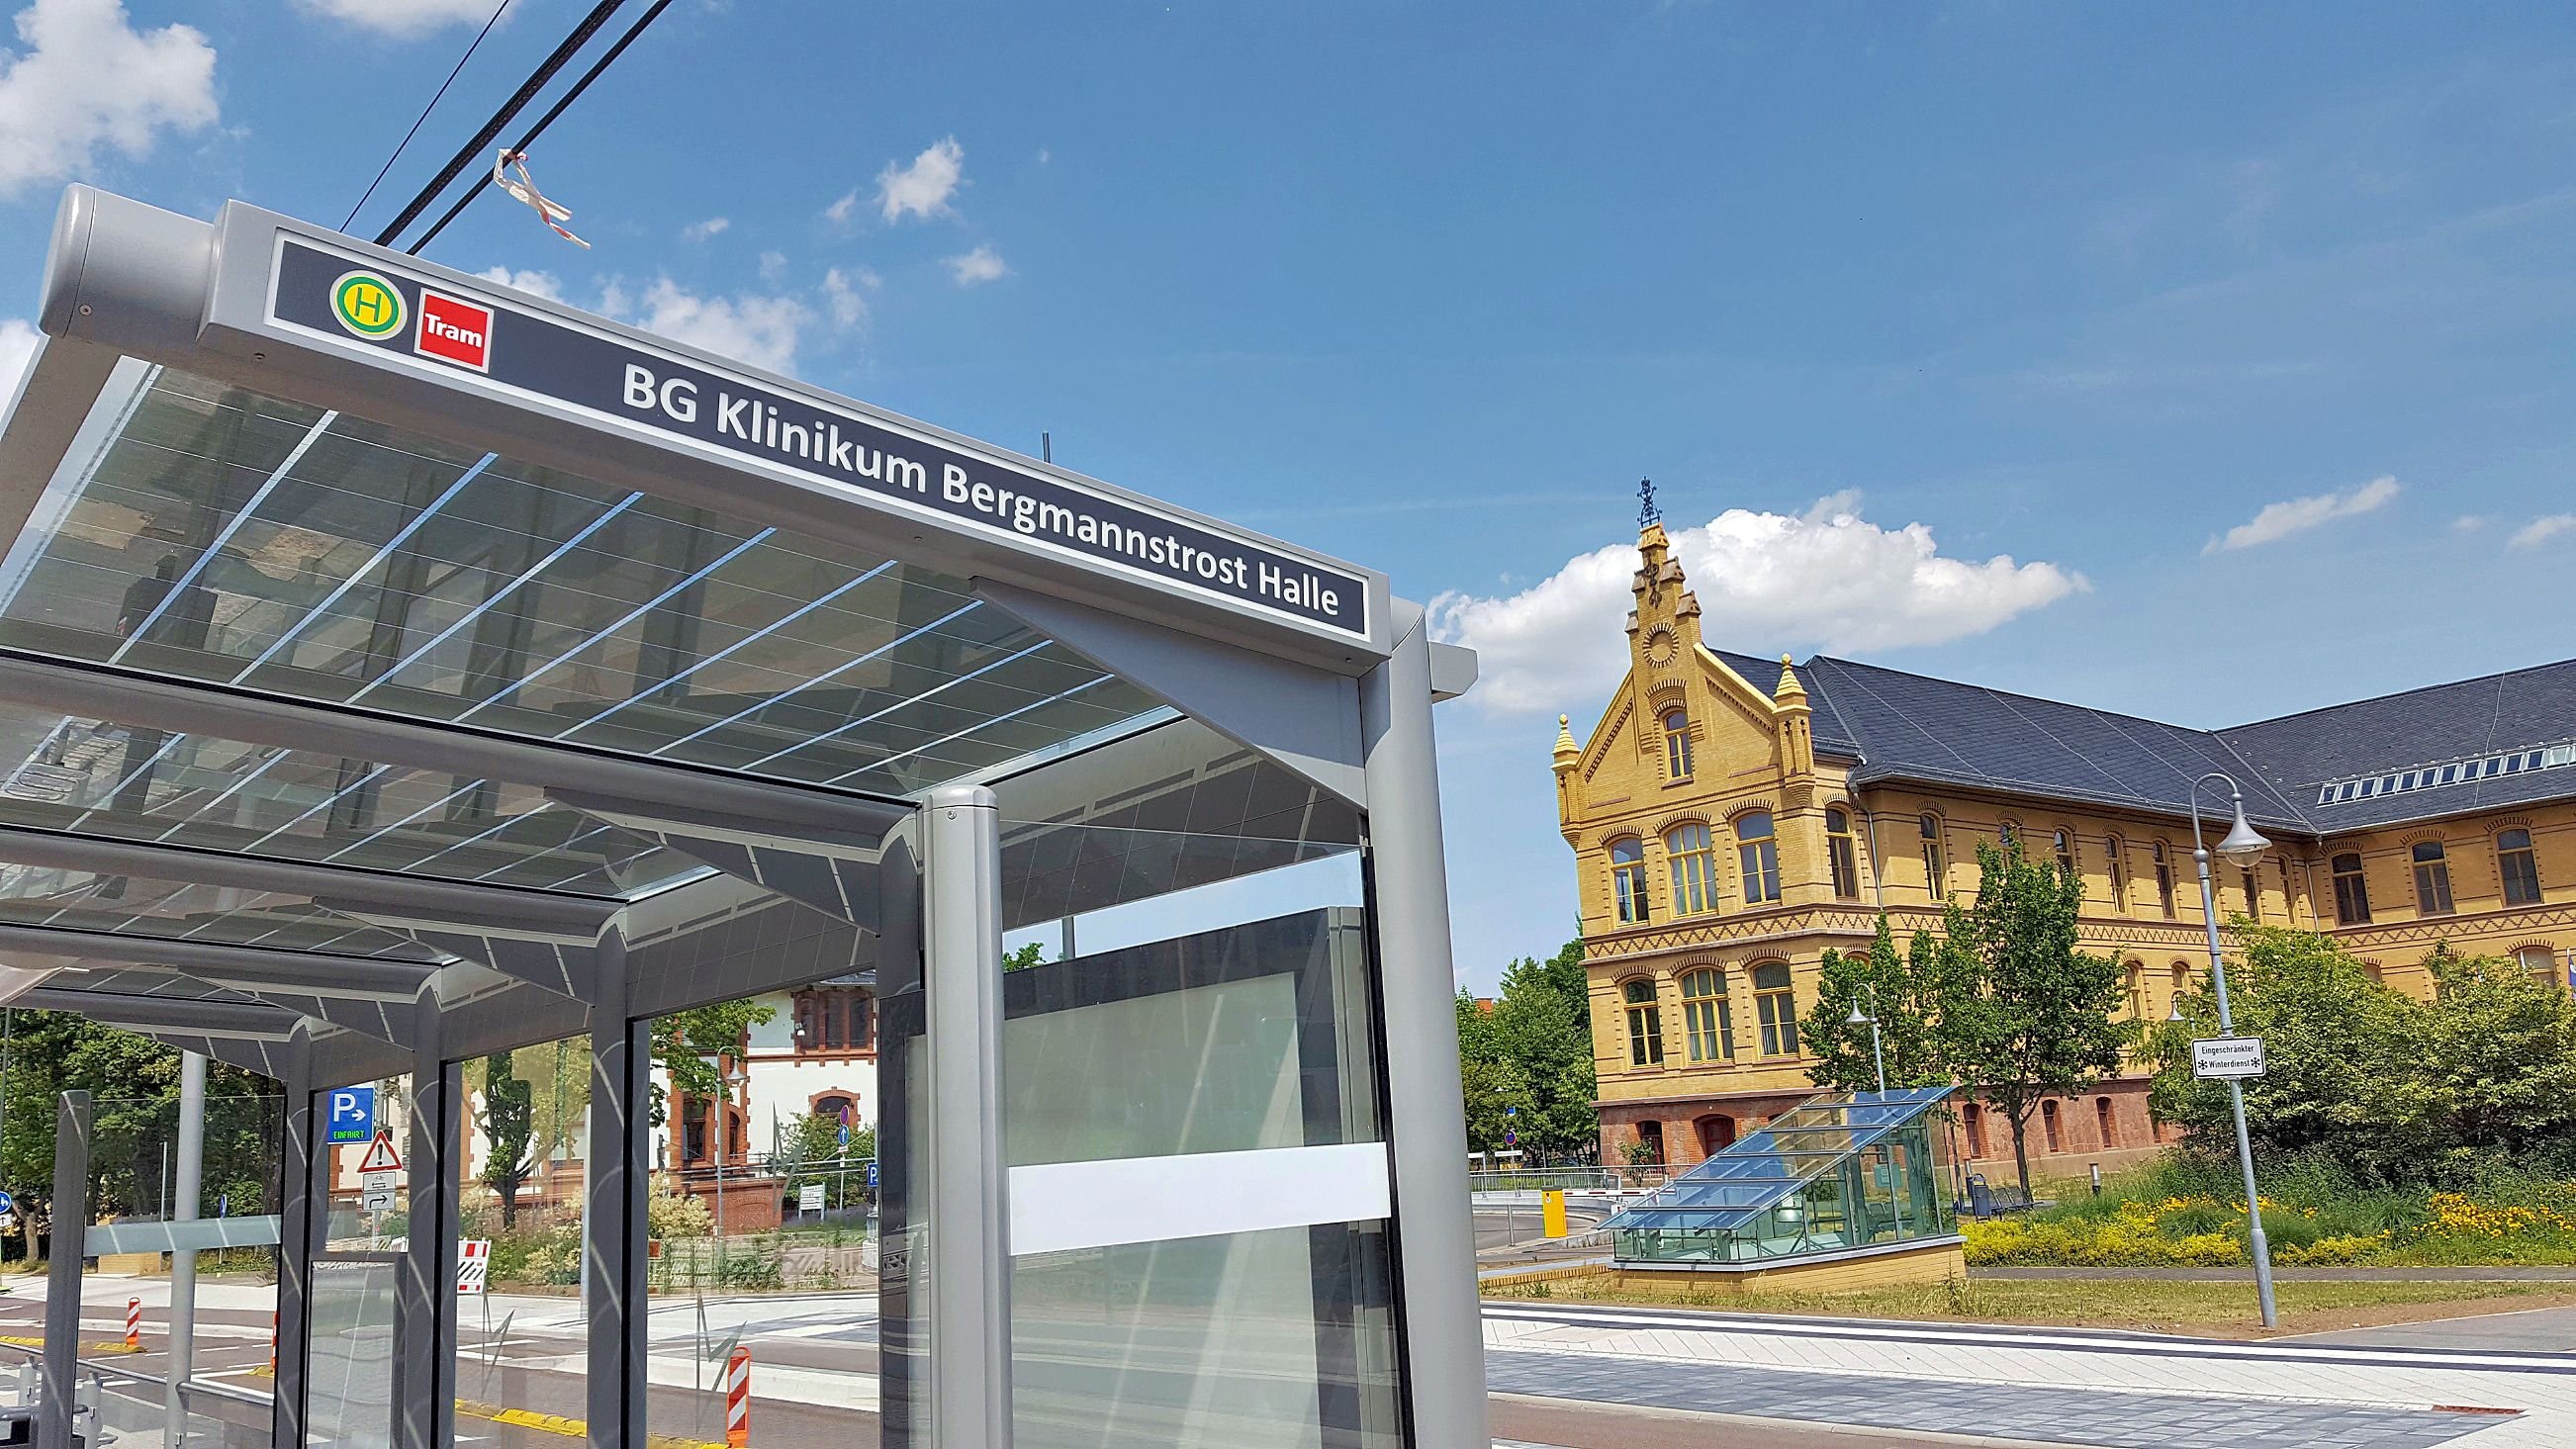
{"x": 1901, "y": 726}
{"x": 1832, "y": 736}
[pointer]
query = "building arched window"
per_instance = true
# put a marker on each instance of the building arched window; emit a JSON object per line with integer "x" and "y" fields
{"x": 2432, "y": 879}
{"x": 1628, "y": 879}
{"x": 837, "y": 1107}
{"x": 1693, "y": 853}
{"x": 2181, "y": 986}
{"x": 1975, "y": 1118}
{"x": 2540, "y": 961}
{"x": 1645, "y": 1024}
{"x": 2253, "y": 897}
{"x": 2117, "y": 854}
{"x": 2102, "y": 1122}
{"x": 2063, "y": 842}
{"x": 1775, "y": 1002}
{"x": 2164, "y": 879}
{"x": 1708, "y": 1019}
{"x": 1936, "y": 865}
{"x": 2049, "y": 1128}
{"x": 1758, "y": 856}
{"x": 2137, "y": 990}
{"x": 2352, "y": 891}
{"x": 1841, "y": 856}
{"x": 1677, "y": 745}
{"x": 2519, "y": 867}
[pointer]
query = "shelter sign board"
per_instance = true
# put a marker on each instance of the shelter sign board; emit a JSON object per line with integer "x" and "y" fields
{"x": 349, "y": 300}
{"x": 2219, "y": 1058}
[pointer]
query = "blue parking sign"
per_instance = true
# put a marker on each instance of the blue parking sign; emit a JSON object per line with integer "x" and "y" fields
{"x": 872, "y": 1177}
{"x": 350, "y": 1114}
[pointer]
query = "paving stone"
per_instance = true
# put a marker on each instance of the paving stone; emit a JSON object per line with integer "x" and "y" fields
{"x": 2100, "y": 1419}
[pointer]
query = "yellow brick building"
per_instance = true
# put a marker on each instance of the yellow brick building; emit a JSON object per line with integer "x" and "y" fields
{"x": 1732, "y": 819}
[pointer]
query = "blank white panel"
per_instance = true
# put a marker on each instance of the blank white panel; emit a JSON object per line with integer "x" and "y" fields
{"x": 1057, "y": 1206}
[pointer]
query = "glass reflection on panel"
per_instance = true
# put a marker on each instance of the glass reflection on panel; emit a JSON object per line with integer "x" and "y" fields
{"x": 217, "y": 534}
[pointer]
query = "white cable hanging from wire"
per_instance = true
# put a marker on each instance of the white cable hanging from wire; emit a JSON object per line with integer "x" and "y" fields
{"x": 524, "y": 187}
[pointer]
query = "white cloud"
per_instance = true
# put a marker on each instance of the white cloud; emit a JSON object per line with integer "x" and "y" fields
{"x": 535, "y": 284}
{"x": 841, "y": 296}
{"x": 840, "y": 212}
{"x": 17, "y": 345}
{"x": 87, "y": 81}
{"x": 2278, "y": 521}
{"x": 2468, "y": 523}
{"x": 773, "y": 265}
{"x": 405, "y": 18}
{"x": 2540, "y": 530}
{"x": 1766, "y": 582}
{"x": 980, "y": 265}
{"x": 922, "y": 188}
{"x": 759, "y": 330}
{"x": 697, "y": 231}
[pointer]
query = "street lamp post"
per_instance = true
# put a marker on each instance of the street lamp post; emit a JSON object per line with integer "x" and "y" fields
{"x": 2241, "y": 847}
{"x": 1877, "y": 1054}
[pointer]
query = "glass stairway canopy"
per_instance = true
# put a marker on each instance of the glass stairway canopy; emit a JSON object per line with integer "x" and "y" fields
{"x": 1841, "y": 1171}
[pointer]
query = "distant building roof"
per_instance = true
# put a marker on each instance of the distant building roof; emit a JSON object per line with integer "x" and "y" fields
{"x": 2440, "y": 750}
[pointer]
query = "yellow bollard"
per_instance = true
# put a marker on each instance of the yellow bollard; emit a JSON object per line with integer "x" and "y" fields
{"x": 1552, "y": 1214}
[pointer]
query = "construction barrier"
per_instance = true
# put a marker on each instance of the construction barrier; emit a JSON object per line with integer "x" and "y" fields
{"x": 738, "y": 1399}
{"x": 133, "y": 1325}
{"x": 272, "y": 1343}
{"x": 1552, "y": 1213}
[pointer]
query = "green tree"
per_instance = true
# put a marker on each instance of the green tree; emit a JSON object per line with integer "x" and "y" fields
{"x": 810, "y": 1153}
{"x": 508, "y": 1125}
{"x": 1531, "y": 1051}
{"x": 1902, "y": 992}
{"x": 1032, "y": 954}
{"x": 2343, "y": 1058}
{"x": 2023, "y": 1016}
{"x": 685, "y": 1044}
{"x": 134, "y": 1082}
{"x": 1498, "y": 1098}
{"x": 2499, "y": 1063}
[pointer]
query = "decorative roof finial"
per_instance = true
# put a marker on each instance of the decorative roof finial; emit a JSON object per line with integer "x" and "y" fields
{"x": 1648, "y": 514}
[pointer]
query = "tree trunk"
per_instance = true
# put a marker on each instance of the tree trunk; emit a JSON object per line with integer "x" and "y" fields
{"x": 2021, "y": 1151}
{"x": 509, "y": 1189}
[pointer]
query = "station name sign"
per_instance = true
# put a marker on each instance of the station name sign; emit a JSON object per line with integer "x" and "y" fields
{"x": 444, "y": 330}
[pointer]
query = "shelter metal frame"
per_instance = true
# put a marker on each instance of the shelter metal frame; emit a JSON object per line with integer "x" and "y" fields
{"x": 846, "y": 877}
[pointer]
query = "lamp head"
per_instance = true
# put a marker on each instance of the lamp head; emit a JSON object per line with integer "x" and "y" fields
{"x": 2176, "y": 1013}
{"x": 1858, "y": 1017}
{"x": 2243, "y": 845}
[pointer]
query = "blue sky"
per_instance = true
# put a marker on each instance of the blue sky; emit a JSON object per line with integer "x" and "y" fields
{"x": 2074, "y": 292}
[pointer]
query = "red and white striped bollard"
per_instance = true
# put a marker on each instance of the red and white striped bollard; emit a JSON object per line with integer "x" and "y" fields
{"x": 133, "y": 1325}
{"x": 738, "y": 1398}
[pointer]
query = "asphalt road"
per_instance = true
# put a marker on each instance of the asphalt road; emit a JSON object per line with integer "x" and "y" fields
{"x": 2532, "y": 1330}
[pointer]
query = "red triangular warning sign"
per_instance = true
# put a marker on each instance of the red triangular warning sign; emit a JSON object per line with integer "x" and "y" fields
{"x": 381, "y": 1156}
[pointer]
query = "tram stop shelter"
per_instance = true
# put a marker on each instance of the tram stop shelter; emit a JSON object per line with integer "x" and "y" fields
{"x": 397, "y": 670}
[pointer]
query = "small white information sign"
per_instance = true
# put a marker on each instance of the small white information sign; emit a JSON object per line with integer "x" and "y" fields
{"x": 376, "y": 1202}
{"x": 376, "y": 1181}
{"x": 809, "y": 1198}
{"x": 2222, "y": 1058}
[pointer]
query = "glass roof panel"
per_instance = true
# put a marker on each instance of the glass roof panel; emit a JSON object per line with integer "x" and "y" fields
{"x": 99, "y": 777}
{"x": 222, "y": 535}
{"x": 133, "y": 906}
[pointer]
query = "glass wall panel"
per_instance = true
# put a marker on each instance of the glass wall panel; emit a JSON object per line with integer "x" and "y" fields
{"x": 763, "y": 1129}
{"x": 359, "y": 1224}
{"x": 520, "y": 1212}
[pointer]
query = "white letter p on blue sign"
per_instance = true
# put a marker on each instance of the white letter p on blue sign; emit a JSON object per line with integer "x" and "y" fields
{"x": 350, "y": 1114}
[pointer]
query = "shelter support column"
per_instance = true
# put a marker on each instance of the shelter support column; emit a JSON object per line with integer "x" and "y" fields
{"x": 969, "y": 1249}
{"x": 295, "y": 1192}
{"x": 1409, "y": 902}
{"x": 612, "y": 1281}
{"x": 68, "y": 1213}
{"x": 425, "y": 1318}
